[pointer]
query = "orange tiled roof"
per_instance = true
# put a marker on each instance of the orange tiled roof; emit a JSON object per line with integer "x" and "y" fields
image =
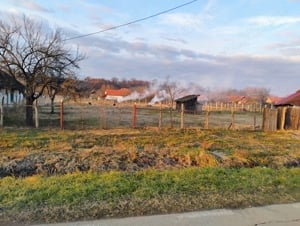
{"x": 272, "y": 99}
{"x": 237, "y": 99}
{"x": 117, "y": 92}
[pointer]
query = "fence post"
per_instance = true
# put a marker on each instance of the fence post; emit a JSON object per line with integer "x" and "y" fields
{"x": 36, "y": 114}
{"x": 254, "y": 121}
{"x": 1, "y": 112}
{"x": 281, "y": 118}
{"x": 160, "y": 116}
{"x": 134, "y": 116}
{"x": 232, "y": 118}
{"x": 62, "y": 114}
{"x": 206, "y": 119}
{"x": 182, "y": 117}
{"x": 171, "y": 117}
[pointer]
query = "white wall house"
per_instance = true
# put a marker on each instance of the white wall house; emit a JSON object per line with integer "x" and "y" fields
{"x": 116, "y": 94}
{"x": 10, "y": 90}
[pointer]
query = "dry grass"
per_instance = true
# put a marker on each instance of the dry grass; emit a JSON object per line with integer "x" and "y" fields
{"x": 59, "y": 152}
{"x": 51, "y": 176}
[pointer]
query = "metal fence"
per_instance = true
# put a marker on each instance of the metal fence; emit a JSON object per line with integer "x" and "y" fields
{"x": 87, "y": 115}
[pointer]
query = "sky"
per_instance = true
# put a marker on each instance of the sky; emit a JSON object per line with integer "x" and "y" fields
{"x": 216, "y": 44}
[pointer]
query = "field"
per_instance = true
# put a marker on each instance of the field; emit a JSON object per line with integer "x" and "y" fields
{"x": 67, "y": 175}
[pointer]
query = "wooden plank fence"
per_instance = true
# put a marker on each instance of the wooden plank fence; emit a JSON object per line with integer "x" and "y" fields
{"x": 220, "y": 106}
{"x": 281, "y": 118}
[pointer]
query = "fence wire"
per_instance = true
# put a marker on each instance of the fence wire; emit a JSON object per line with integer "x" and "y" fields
{"x": 108, "y": 116}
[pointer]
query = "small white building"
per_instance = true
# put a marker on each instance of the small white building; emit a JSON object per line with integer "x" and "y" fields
{"x": 11, "y": 91}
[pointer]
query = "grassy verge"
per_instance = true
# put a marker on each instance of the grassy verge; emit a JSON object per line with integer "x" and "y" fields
{"x": 91, "y": 195}
{"x": 54, "y": 175}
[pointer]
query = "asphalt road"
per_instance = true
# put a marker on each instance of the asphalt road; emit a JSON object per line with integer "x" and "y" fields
{"x": 273, "y": 215}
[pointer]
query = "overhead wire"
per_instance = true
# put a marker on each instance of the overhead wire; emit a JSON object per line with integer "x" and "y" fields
{"x": 132, "y": 22}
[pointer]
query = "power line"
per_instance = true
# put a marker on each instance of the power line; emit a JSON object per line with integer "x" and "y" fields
{"x": 132, "y": 22}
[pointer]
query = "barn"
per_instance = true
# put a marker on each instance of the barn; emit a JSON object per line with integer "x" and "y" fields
{"x": 190, "y": 103}
{"x": 11, "y": 91}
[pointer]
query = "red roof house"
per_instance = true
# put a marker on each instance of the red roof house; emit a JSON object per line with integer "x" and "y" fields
{"x": 291, "y": 100}
{"x": 116, "y": 94}
{"x": 272, "y": 99}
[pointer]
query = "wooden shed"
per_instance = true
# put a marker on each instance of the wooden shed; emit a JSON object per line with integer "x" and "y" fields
{"x": 189, "y": 102}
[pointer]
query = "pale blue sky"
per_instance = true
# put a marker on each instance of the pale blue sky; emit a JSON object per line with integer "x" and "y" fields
{"x": 213, "y": 43}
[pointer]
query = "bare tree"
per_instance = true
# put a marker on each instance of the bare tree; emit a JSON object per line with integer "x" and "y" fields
{"x": 172, "y": 90}
{"x": 258, "y": 93}
{"x": 61, "y": 85}
{"x": 36, "y": 56}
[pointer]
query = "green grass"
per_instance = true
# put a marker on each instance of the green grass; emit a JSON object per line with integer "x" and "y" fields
{"x": 130, "y": 173}
{"x": 31, "y": 199}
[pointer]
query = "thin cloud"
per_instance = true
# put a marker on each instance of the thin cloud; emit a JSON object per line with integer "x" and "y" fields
{"x": 32, "y": 5}
{"x": 181, "y": 19}
{"x": 220, "y": 71}
{"x": 188, "y": 20}
{"x": 271, "y": 21}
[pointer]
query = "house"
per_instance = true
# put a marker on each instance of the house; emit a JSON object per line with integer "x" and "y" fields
{"x": 190, "y": 103}
{"x": 237, "y": 99}
{"x": 291, "y": 100}
{"x": 116, "y": 94}
{"x": 11, "y": 91}
{"x": 272, "y": 99}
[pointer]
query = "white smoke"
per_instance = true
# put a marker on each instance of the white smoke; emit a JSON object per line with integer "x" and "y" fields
{"x": 133, "y": 96}
{"x": 159, "y": 97}
{"x": 160, "y": 94}
{"x": 137, "y": 96}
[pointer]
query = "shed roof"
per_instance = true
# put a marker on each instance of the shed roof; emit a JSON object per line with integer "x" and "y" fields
{"x": 293, "y": 99}
{"x": 186, "y": 98}
{"x": 8, "y": 82}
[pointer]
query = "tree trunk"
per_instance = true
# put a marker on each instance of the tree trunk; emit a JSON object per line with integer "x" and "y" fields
{"x": 29, "y": 112}
{"x": 52, "y": 104}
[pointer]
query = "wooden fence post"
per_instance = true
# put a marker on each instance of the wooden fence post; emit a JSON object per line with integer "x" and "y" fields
{"x": 102, "y": 117}
{"x": 182, "y": 116}
{"x": 134, "y": 116}
{"x": 254, "y": 121}
{"x": 36, "y": 114}
{"x": 1, "y": 112}
{"x": 160, "y": 117}
{"x": 232, "y": 119}
{"x": 171, "y": 117}
{"x": 281, "y": 118}
{"x": 206, "y": 119}
{"x": 62, "y": 114}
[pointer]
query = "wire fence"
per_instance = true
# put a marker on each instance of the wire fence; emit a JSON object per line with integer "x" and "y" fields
{"x": 84, "y": 116}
